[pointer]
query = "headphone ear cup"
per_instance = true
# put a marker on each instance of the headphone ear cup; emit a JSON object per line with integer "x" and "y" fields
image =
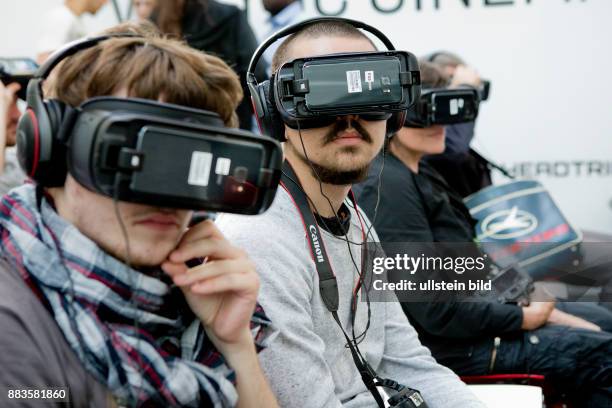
{"x": 272, "y": 121}
{"x": 41, "y": 155}
{"x": 28, "y": 142}
{"x": 263, "y": 117}
{"x": 56, "y": 167}
{"x": 395, "y": 122}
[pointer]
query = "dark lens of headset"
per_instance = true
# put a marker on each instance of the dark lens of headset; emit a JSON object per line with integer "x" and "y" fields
{"x": 372, "y": 116}
{"x": 312, "y": 123}
{"x": 324, "y": 121}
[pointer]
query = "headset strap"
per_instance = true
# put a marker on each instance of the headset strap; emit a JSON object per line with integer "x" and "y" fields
{"x": 292, "y": 29}
{"x": 492, "y": 164}
{"x": 328, "y": 285}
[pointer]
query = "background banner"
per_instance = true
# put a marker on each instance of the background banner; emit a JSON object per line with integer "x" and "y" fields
{"x": 550, "y": 112}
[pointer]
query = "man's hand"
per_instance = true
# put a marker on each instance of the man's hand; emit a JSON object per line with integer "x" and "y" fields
{"x": 464, "y": 75}
{"x": 222, "y": 292}
{"x": 536, "y": 314}
{"x": 566, "y": 319}
{"x": 8, "y": 94}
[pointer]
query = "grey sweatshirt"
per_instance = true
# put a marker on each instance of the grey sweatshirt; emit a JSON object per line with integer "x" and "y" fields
{"x": 308, "y": 365}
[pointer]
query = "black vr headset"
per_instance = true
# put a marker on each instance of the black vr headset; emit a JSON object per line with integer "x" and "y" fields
{"x": 484, "y": 90}
{"x": 144, "y": 151}
{"x": 312, "y": 92}
{"x": 19, "y": 70}
{"x": 443, "y": 106}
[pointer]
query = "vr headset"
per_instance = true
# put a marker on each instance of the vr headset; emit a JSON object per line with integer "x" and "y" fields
{"x": 312, "y": 92}
{"x": 443, "y": 106}
{"x": 144, "y": 151}
{"x": 484, "y": 90}
{"x": 317, "y": 90}
{"x": 19, "y": 70}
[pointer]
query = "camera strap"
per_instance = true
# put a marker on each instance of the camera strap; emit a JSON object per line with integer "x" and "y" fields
{"x": 328, "y": 285}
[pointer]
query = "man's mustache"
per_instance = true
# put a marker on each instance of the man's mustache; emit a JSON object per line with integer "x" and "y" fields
{"x": 342, "y": 125}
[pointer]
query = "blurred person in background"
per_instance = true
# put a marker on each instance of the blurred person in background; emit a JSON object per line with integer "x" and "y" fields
{"x": 462, "y": 167}
{"x": 218, "y": 29}
{"x": 144, "y": 9}
{"x": 283, "y": 13}
{"x": 64, "y": 24}
{"x": 11, "y": 174}
{"x": 569, "y": 343}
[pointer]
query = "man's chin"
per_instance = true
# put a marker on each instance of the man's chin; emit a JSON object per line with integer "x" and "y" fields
{"x": 340, "y": 177}
{"x": 146, "y": 259}
{"x": 142, "y": 255}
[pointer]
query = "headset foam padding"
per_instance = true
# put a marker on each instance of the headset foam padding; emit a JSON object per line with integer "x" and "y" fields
{"x": 395, "y": 123}
{"x": 40, "y": 154}
{"x": 272, "y": 123}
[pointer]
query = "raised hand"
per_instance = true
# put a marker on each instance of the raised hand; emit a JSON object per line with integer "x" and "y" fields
{"x": 222, "y": 291}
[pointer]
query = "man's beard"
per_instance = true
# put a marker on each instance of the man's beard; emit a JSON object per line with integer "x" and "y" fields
{"x": 334, "y": 176}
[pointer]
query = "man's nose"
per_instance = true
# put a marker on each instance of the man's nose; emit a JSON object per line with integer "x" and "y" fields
{"x": 348, "y": 118}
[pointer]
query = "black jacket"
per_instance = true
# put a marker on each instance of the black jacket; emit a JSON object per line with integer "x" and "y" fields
{"x": 420, "y": 208}
{"x": 223, "y": 30}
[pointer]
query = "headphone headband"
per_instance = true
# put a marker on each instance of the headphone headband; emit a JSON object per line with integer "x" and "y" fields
{"x": 269, "y": 118}
{"x": 41, "y": 130}
{"x": 297, "y": 27}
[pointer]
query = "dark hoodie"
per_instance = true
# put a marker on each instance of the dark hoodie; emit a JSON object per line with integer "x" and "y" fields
{"x": 223, "y": 30}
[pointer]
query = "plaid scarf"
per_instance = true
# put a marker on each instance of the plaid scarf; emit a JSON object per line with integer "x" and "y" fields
{"x": 164, "y": 360}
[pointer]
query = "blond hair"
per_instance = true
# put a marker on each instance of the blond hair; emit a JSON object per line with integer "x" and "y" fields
{"x": 149, "y": 67}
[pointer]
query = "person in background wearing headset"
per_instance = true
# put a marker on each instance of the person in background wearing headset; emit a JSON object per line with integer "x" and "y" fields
{"x": 479, "y": 338}
{"x": 464, "y": 169}
{"x": 11, "y": 174}
{"x": 84, "y": 309}
{"x": 309, "y": 363}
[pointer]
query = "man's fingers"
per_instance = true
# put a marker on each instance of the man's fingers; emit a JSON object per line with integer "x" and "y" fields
{"x": 212, "y": 270}
{"x": 13, "y": 88}
{"x": 226, "y": 283}
{"x": 174, "y": 269}
{"x": 202, "y": 230}
{"x": 206, "y": 247}
{"x": 581, "y": 323}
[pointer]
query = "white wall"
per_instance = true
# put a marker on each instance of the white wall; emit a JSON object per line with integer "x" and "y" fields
{"x": 21, "y": 22}
{"x": 551, "y": 101}
{"x": 549, "y": 61}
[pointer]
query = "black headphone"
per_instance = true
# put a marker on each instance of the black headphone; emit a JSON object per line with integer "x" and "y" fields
{"x": 262, "y": 98}
{"x": 47, "y": 123}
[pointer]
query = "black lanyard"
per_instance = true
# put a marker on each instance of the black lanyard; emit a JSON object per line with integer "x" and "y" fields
{"x": 328, "y": 285}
